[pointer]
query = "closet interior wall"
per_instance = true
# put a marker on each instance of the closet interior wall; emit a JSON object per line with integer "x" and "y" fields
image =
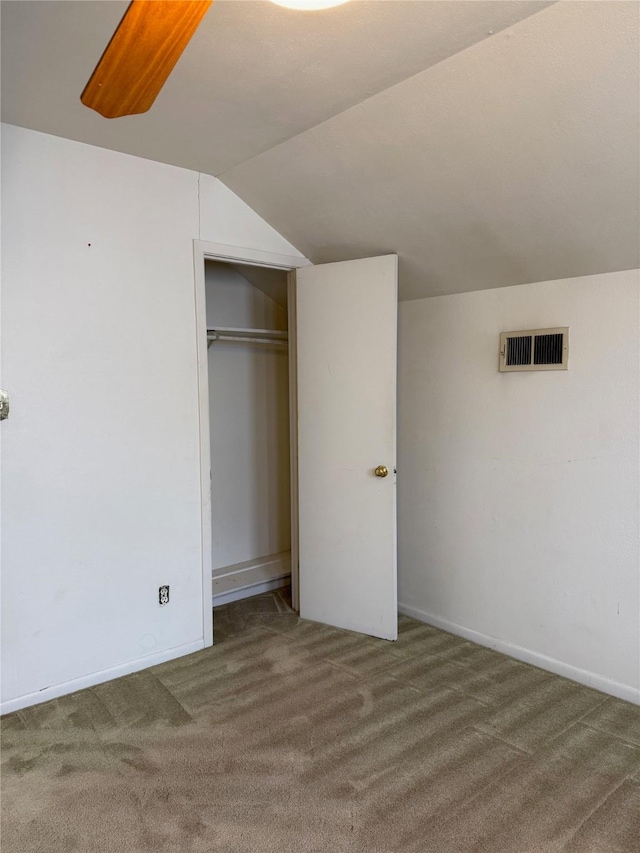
{"x": 249, "y": 422}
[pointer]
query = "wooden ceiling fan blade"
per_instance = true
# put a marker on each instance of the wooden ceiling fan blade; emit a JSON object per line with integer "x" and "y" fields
{"x": 141, "y": 54}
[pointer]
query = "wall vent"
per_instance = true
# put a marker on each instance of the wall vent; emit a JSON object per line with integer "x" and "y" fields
{"x": 534, "y": 349}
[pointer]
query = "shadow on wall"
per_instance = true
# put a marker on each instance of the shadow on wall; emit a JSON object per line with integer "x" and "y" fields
{"x": 249, "y": 419}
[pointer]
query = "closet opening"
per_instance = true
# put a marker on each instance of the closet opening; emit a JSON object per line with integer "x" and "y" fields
{"x": 251, "y": 374}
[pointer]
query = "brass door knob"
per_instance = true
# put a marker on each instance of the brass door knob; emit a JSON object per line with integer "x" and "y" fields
{"x": 381, "y": 471}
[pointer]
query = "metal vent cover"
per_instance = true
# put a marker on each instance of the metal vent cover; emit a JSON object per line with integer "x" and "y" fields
{"x": 534, "y": 349}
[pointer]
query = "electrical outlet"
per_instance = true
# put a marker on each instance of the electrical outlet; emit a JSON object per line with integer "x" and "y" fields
{"x": 163, "y": 595}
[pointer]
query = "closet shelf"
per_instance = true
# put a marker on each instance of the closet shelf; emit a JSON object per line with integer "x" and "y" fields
{"x": 252, "y": 335}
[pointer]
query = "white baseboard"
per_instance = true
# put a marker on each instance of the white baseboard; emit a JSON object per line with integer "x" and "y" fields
{"x": 57, "y": 690}
{"x": 251, "y": 590}
{"x": 242, "y": 580}
{"x": 583, "y": 676}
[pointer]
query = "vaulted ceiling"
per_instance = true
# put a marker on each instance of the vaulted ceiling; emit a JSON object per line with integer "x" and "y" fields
{"x": 487, "y": 143}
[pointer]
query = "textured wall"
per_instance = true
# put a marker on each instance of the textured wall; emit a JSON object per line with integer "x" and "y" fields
{"x": 100, "y": 457}
{"x": 518, "y": 493}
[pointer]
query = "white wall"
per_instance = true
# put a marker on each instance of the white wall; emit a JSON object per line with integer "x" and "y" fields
{"x": 249, "y": 418}
{"x": 100, "y": 466}
{"x": 519, "y": 492}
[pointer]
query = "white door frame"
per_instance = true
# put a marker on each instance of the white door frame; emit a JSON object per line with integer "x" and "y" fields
{"x": 203, "y": 251}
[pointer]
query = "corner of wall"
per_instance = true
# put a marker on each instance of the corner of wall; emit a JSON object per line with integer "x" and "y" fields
{"x": 225, "y": 218}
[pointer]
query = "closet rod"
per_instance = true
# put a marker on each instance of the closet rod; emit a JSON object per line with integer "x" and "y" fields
{"x": 245, "y": 339}
{"x": 270, "y": 336}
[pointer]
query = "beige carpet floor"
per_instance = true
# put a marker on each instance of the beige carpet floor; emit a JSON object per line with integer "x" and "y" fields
{"x": 293, "y": 737}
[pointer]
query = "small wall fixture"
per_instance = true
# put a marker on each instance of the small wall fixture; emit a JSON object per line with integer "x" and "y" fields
{"x": 534, "y": 349}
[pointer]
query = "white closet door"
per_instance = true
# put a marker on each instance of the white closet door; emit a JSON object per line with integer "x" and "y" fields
{"x": 346, "y": 359}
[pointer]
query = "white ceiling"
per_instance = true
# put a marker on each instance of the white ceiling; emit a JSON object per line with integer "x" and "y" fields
{"x": 272, "y": 282}
{"x": 488, "y": 143}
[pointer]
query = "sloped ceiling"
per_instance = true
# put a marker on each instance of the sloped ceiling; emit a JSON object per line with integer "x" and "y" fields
{"x": 487, "y": 143}
{"x": 272, "y": 282}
